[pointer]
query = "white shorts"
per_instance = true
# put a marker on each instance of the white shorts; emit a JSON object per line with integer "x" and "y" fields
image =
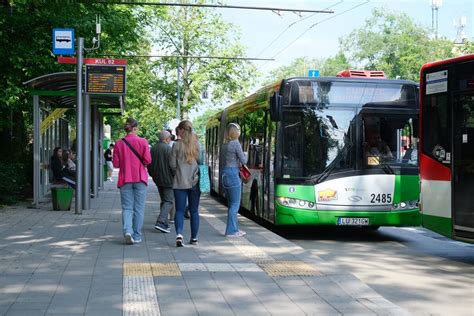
{"x": 110, "y": 166}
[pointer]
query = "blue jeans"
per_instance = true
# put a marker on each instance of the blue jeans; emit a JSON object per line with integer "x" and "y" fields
{"x": 192, "y": 196}
{"x": 133, "y": 196}
{"x": 233, "y": 187}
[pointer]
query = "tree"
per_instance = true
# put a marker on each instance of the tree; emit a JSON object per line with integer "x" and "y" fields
{"x": 392, "y": 42}
{"x": 25, "y": 52}
{"x": 191, "y": 31}
{"x": 25, "y": 48}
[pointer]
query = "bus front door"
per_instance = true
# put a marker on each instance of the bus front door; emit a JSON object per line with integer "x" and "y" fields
{"x": 463, "y": 163}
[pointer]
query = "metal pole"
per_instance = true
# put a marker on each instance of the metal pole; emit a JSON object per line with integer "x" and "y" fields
{"x": 87, "y": 153}
{"x": 95, "y": 152}
{"x": 432, "y": 18}
{"x": 79, "y": 129}
{"x": 45, "y": 159}
{"x": 436, "y": 34}
{"x": 178, "y": 112}
{"x": 101, "y": 150}
{"x": 36, "y": 150}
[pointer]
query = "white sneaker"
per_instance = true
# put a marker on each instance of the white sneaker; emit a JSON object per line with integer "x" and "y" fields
{"x": 129, "y": 239}
{"x": 240, "y": 233}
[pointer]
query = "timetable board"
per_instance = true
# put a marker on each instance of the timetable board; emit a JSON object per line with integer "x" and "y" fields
{"x": 105, "y": 79}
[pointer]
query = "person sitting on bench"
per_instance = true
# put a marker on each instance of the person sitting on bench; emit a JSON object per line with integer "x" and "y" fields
{"x": 61, "y": 174}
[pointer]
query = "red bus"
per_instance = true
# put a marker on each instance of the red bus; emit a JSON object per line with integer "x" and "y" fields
{"x": 447, "y": 147}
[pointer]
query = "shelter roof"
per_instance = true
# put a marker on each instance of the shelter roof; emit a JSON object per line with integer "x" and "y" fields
{"x": 59, "y": 90}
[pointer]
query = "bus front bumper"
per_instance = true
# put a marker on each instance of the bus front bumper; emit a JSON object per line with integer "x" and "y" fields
{"x": 290, "y": 216}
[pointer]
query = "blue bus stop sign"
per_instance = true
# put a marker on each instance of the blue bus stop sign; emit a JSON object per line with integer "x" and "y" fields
{"x": 63, "y": 41}
{"x": 313, "y": 73}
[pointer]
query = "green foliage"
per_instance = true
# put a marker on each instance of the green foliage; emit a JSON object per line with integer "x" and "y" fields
{"x": 14, "y": 181}
{"x": 25, "y": 53}
{"x": 389, "y": 41}
{"x": 192, "y": 31}
{"x": 392, "y": 42}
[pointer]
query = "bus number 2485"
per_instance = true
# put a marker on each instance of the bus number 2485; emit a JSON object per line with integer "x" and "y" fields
{"x": 380, "y": 198}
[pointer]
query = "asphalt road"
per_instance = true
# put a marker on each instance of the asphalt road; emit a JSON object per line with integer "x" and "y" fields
{"x": 419, "y": 270}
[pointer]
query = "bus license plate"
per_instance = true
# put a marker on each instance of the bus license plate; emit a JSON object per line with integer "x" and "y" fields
{"x": 353, "y": 221}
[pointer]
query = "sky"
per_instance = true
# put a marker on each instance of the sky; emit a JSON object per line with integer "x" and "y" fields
{"x": 260, "y": 28}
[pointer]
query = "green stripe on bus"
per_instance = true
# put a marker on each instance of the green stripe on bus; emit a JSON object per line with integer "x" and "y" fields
{"x": 289, "y": 216}
{"x": 441, "y": 225}
{"x": 407, "y": 188}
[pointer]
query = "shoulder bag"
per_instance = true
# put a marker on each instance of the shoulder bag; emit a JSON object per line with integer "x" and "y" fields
{"x": 133, "y": 150}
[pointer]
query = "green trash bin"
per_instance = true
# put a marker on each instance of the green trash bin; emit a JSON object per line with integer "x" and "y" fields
{"x": 62, "y": 198}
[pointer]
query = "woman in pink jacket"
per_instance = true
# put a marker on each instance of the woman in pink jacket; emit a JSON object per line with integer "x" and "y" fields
{"x": 132, "y": 155}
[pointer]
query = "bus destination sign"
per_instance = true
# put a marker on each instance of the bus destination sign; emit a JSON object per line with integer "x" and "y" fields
{"x": 105, "y": 79}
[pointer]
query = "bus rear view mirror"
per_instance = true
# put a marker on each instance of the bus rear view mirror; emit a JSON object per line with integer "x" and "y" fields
{"x": 276, "y": 107}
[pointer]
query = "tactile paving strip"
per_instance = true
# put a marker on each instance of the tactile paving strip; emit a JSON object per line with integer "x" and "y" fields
{"x": 139, "y": 296}
{"x": 136, "y": 269}
{"x": 288, "y": 268}
{"x": 165, "y": 269}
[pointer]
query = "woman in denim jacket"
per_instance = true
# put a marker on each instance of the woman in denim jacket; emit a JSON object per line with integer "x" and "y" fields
{"x": 234, "y": 157}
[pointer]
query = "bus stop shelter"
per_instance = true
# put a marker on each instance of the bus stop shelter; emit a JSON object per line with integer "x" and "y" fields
{"x": 54, "y": 94}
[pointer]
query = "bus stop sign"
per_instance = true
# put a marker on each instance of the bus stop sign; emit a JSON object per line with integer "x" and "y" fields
{"x": 63, "y": 42}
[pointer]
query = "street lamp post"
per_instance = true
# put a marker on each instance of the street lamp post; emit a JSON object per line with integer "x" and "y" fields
{"x": 435, "y": 5}
{"x": 178, "y": 110}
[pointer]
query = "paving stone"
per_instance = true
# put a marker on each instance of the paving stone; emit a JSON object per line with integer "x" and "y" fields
{"x": 59, "y": 263}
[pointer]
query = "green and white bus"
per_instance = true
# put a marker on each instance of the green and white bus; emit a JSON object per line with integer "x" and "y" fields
{"x": 327, "y": 150}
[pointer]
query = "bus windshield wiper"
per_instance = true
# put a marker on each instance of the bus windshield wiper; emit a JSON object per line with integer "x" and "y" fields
{"x": 385, "y": 166}
{"x": 326, "y": 172}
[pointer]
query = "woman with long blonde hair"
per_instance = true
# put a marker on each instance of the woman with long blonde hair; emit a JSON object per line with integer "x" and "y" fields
{"x": 234, "y": 158}
{"x": 184, "y": 164}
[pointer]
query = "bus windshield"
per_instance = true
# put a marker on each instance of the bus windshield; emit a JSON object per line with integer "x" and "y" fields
{"x": 317, "y": 142}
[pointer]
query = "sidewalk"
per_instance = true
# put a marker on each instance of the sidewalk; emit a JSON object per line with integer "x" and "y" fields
{"x": 58, "y": 263}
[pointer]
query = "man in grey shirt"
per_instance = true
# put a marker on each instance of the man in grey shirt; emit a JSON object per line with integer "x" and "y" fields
{"x": 162, "y": 175}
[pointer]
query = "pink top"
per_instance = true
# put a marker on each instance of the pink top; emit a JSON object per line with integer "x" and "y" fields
{"x": 131, "y": 168}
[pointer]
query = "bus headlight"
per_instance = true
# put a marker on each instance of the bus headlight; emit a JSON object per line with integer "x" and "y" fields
{"x": 405, "y": 205}
{"x": 296, "y": 203}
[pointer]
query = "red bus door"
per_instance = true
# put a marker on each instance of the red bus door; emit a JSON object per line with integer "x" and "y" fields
{"x": 463, "y": 164}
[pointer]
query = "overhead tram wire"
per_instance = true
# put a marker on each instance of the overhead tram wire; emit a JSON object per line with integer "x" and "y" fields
{"x": 317, "y": 23}
{"x": 182, "y": 56}
{"x": 292, "y": 24}
{"x": 206, "y": 6}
